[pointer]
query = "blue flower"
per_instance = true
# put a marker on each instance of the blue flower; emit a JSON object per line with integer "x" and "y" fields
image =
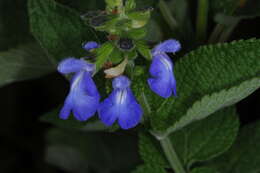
{"x": 163, "y": 81}
{"x": 91, "y": 45}
{"x": 121, "y": 105}
{"x": 83, "y": 98}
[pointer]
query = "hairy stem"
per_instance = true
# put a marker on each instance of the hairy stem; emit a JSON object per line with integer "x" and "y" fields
{"x": 171, "y": 155}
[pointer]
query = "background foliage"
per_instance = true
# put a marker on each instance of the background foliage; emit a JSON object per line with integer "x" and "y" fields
{"x": 213, "y": 129}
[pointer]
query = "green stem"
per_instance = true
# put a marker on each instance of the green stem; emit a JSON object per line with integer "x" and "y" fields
{"x": 171, "y": 155}
{"x": 167, "y": 15}
{"x": 202, "y": 19}
{"x": 216, "y": 33}
{"x": 228, "y": 31}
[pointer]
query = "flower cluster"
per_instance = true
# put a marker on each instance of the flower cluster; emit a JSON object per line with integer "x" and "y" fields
{"x": 121, "y": 105}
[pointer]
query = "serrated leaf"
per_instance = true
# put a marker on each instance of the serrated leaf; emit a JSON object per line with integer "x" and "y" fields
{"x": 209, "y": 104}
{"x": 208, "y": 138}
{"x": 60, "y": 30}
{"x": 204, "y": 170}
{"x": 130, "y": 5}
{"x": 103, "y": 54}
{"x": 150, "y": 151}
{"x": 149, "y": 169}
{"x": 243, "y": 156}
{"x": 143, "y": 49}
{"x": 23, "y": 63}
{"x": 208, "y": 79}
{"x": 198, "y": 142}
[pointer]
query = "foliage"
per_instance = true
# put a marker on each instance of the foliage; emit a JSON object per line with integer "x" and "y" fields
{"x": 201, "y": 124}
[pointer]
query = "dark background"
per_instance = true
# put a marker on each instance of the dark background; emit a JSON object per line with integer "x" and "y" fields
{"x": 22, "y": 135}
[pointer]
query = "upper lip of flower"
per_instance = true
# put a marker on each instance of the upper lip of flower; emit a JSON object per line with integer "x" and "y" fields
{"x": 167, "y": 64}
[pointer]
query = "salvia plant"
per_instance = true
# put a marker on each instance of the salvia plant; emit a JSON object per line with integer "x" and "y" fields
{"x": 176, "y": 90}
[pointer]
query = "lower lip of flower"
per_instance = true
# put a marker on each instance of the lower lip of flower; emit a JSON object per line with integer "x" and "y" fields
{"x": 121, "y": 96}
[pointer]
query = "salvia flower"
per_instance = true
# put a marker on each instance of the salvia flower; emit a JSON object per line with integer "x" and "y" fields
{"x": 121, "y": 105}
{"x": 83, "y": 97}
{"x": 162, "y": 80}
{"x": 91, "y": 45}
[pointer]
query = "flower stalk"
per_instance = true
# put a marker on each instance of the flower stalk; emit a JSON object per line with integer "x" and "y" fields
{"x": 171, "y": 155}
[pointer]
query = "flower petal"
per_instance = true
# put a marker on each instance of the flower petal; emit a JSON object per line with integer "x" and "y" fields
{"x": 121, "y": 82}
{"x": 71, "y": 65}
{"x": 91, "y": 45}
{"x": 84, "y": 95}
{"x": 130, "y": 113}
{"x": 162, "y": 82}
{"x": 120, "y": 105}
{"x": 168, "y": 46}
{"x": 107, "y": 111}
{"x": 66, "y": 109}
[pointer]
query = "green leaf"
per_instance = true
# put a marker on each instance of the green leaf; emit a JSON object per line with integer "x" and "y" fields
{"x": 59, "y": 29}
{"x": 23, "y": 63}
{"x": 208, "y": 138}
{"x": 139, "y": 18}
{"x": 208, "y": 79}
{"x": 131, "y": 55}
{"x": 113, "y": 3}
{"x": 149, "y": 169}
{"x": 116, "y": 56}
{"x": 137, "y": 34}
{"x": 244, "y": 155}
{"x": 130, "y": 5}
{"x": 143, "y": 49}
{"x": 103, "y": 54}
{"x": 150, "y": 151}
{"x": 198, "y": 142}
{"x": 203, "y": 170}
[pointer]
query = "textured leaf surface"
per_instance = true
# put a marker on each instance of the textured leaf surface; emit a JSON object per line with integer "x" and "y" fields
{"x": 200, "y": 141}
{"x": 149, "y": 168}
{"x": 208, "y": 138}
{"x": 150, "y": 151}
{"x": 209, "y": 79}
{"x": 203, "y": 170}
{"x": 243, "y": 156}
{"x": 59, "y": 29}
{"x": 25, "y": 62}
